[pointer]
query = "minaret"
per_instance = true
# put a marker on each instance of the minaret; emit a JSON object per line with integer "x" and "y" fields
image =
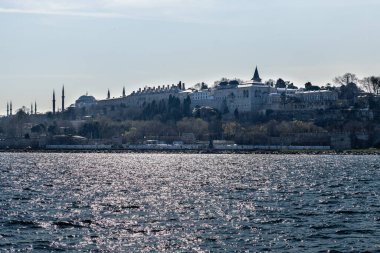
{"x": 10, "y": 108}
{"x": 31, "y": 108}
{"x": 63, "y": 98}
{"x": 35, "y": 107}
{"x": 108, "y": 94}
{"x": 7, "y": 109}
{"x": 123, "y": 91}
{"x": 256, "y": 76}
{"x": 53, "y": 101}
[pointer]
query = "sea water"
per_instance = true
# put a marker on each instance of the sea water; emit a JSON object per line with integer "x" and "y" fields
{"x": 189, "y": 203}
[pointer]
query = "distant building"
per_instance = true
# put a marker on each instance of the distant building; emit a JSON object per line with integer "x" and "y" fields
{"x": 85, "y": 100}
{"x": 227, "y": 97}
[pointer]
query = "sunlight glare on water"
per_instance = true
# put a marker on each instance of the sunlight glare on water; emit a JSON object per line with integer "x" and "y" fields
{"x": 189, "y": 202}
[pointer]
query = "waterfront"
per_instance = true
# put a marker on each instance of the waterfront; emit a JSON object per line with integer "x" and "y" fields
{"x": 189, "y": 202}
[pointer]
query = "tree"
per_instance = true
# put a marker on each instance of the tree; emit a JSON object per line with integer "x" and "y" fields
{"x": 204, "y": 86}
{"x": 292, "y": 86}
{"x": 230, "y": 130}
{"x": 40, "y": 128}
{"x": 222, "y": 82}
{"x": 349, "y": 91}
{"x": 236, "y": 114}
{"x": 280, "y": 83}
{"x": 270, "y": 82}
{"x": 371, "y": 84}
{"x": 91, "y": 130}
{"x": 174, "y": 108}
{"x": 197, "y": 126}
{"x": 234, "y": 82}
{"x": 310, "y": 87}
{"x": 225, "y": 109}
{"x": 186, "y": 106}
{"x": 53, "y": 129}
{"x": 346, "y": 79}
{"x": 328, "y": 86}
{"x": 201, "y": 86}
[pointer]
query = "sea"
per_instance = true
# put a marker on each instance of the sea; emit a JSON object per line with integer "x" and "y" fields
{"x": 143, "y": 202}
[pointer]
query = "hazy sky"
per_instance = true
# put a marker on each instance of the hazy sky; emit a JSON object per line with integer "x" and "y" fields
{"x": 93, "y": 45}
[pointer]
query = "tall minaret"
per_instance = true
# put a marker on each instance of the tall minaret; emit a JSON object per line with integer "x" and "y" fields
{"x": 31, "y": 108}
{"x": 53, "y": 101}
{"x": 63, "y": 98}
{"x": 108, "y": 94}
{"x": 7, "y": 109}
{"x": 10, "y": 108}
{"x": 123, "y": 91}
{"x": 35, "y": 107}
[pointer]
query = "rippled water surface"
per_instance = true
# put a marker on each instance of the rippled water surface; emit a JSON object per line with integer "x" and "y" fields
{"x": 189, "y": 203}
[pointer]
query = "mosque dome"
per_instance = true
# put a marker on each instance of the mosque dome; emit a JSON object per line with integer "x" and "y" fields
{"x": 85, "y": 100}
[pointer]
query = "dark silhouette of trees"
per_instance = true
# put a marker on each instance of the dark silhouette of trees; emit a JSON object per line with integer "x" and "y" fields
{"x": 165, "y": 110}
{"x": 280, "y": 83}
{"x": 346, "y": 79}
{"x": 204, "y": 86}
{"x": 310, "y": 87}
{"x": 270, "y": 82}
{"x": 174, "y": 109}
{"x": 371, "y": 84}
{"x": 91, "y": 130}
{"x": 292, "y": 86}
{"x": 39, "y": 129}
{"x": 187, "y": 107}
{"x": 349, "y": 91}
{"x": 236, "y": 114}
{"x": 53, "y": 129}
{"x": 225, "y": 109}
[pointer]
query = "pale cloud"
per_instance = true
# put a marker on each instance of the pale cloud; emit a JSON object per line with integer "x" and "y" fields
{"x": 145, "y": 9}
{"x": 215, "y": 12}
{"x": 64, "y": 13}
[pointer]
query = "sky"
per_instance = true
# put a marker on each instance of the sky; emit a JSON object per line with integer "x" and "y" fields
{"x": 95, "y": 45}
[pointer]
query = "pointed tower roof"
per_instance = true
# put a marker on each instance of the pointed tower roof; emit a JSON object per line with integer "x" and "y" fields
{"x": 256, "y": 76}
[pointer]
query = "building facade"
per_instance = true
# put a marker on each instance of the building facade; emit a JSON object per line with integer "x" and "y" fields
{"x": 227, "y": 97}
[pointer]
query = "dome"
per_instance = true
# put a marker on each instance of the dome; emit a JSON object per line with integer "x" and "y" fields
{"x": 85, "y": 100}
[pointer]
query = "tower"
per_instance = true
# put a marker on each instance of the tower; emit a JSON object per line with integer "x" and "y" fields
{"x": 10, "y": 108}
{"x": 7, "y": 109}
{"x": 31, "y": 108}
{"x": 63, "y": 98}
{"x": 35, "y": 107}
{"x": 256, "y": 76}
{"x": 53, "y": 101}
{"x": 123, "y": 91}
{"x": 108, "y": 94}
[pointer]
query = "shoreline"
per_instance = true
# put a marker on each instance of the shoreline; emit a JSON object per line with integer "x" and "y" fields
{"x": 155, "y": 151}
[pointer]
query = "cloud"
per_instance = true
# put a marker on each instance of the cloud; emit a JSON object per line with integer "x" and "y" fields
{"x": 145, "y": 9}
{"x": 215, "y": 12}
{"x": 64, "y": 13}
